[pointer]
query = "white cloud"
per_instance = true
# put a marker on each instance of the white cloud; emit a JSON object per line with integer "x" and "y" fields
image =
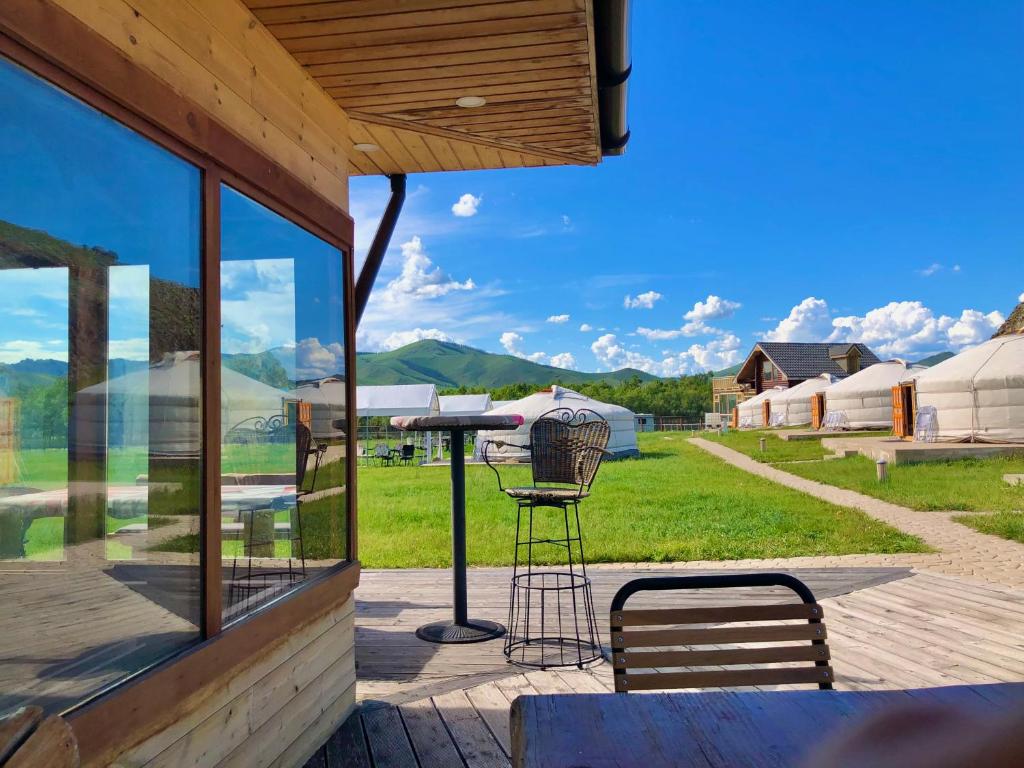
{"x": 566, "y": 222}
{"x": 511, "y": 341}
{"x": 257, "y": 305}
{"x": 587, "y": 327}
{"x": 558, "y": 319}
{"x": 713, "y": 308}
{"x": 1020, "y": 298}
{"x": 641, "y": 301}
{"x": 807, "y": 321}
{"x": 718, "y": 353}
{"x": 935, "y": 267}
{"x": 314, "y": 360}
{"x": 973, "y": 327}
{"x": 16, "y": 350}
{"x": 420, "y": 278}
{"x": 130, "y": 349}
{"x": 401, "y": 338}
{"x": 467, "y": 205}
{"x": 564, "y": 360}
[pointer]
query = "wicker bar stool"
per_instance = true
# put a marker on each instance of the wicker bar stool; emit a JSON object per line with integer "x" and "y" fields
{"x": 551, "y": 620}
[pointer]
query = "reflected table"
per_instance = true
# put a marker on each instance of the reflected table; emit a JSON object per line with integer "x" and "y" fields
{"x": 461, "y": 629}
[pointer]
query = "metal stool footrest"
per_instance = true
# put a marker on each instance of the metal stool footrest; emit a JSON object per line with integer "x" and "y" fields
{"x": 552, "y": 621}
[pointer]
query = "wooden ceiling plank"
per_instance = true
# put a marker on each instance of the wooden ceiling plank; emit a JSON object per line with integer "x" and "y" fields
{"x": 270, "y": 12}
{"x": 382, "y": 22}
{"x": 418, "y": 148}
{"x": 505, "y": 56}
{"x": 485, "y": 30}
{"x": 439, "y": 48}
{"x": 411, "y": 82}
{"x": 467, "y": 155}
{"x": 525, "y": 134}
{"x": 443, "y": 151}
{"x": 457, "y": 136}
{"x": 529, "y": 119}
{"x": 385, "y": 137}
{"x": 456, "y": 86}
{"x": 536, "y": 107}
{"x": 489, "y": 157}
{"x": 380, "y": 156}
{"x": 386, "y": 105}
{"x": 592, "y": 48}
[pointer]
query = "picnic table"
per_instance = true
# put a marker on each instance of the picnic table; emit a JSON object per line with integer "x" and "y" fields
{"x": 715, "y": 728}
{"x": 461, "y": 629}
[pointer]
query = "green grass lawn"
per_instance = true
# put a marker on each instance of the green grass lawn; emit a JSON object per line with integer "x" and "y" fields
{"x": 967, "y": 485}
{"x": 776, "y": 449}
{"x": 675, "y": 503}
{"x": 1008, "y": 525}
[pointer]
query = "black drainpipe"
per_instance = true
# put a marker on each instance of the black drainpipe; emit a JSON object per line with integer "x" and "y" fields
{"x": 374, "y": 257}
{"x": 611, "y": 41}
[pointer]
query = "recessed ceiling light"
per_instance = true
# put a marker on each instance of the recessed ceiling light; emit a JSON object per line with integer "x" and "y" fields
{"x": 470, "y": 101}
{"x": 365, "y": 147}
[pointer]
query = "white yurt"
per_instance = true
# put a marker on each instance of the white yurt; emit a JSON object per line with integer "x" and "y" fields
{"x": 327, "y": 406}
{"x": 978, "y": 395}
{"x": 751, "y": 412}
{"x": 793, "y": 407}
{"x": 621, "y": 443}
{"x": 158, "y": 406}
{"x": 465, "y": 405}
{"x": 864, "y": 400}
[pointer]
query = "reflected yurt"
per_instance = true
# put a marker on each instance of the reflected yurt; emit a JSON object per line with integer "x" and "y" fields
{"x": 751, "y": 412}
{"x": 864, "y": 400}
{"x": 621, "y": 443}
{"x": 157, "y": 406}
{"x": 978, "y": 395}
{"x": 326, "y": 399}
{"x": 792, "y": 407}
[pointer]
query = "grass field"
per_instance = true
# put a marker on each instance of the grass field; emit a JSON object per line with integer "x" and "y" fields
{"x": 676, "y": 503}
{"x": 1008, "y": 525}
{"x": 968, "y": 485}
{"x": 776, "y": 450}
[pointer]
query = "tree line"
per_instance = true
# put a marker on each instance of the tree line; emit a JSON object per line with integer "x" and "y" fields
{"x": 687, "y": 397}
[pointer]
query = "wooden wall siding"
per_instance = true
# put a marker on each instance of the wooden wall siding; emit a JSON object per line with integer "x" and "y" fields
{"x": 215, "y": 53}
{"x": 276, "y": 712}
{"x": 397, "y": 67}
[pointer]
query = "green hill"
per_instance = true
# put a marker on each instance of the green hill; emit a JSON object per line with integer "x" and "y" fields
{"x": 732, "y": 370}
{"x": 452, "y": 365}
{"x": 935, "y": 359}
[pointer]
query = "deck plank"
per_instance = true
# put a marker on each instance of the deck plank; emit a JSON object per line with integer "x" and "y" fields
{"x": 430, "y": 738}
{"x": 385, "y": 734}
{"x": 347, "y": 746}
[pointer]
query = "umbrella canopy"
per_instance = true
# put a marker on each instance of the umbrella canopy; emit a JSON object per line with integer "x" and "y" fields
{"x": 465, "y": 405}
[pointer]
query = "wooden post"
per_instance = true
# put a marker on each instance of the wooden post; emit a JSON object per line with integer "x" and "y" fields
{"x": 882, "y": 470}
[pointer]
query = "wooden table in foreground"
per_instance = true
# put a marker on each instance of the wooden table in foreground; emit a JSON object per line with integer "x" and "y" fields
{"x": 714, "y": 728}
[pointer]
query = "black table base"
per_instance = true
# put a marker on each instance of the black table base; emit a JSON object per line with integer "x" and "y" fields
{"x": 473, "y": 631}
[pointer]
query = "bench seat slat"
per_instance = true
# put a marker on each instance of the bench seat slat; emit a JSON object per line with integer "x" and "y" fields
{"x": 757, "y": 634}
{"x": 726, "y": 657}
{"x": 724, "y": 678}
{"x": 718, "y": 615}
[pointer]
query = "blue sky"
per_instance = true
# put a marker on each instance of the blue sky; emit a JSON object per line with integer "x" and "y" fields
{"x": 797, "y": 171}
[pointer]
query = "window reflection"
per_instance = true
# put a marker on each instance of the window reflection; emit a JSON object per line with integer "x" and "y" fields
{"x": 282, "y": 404}
{"x": 99, "y": 398}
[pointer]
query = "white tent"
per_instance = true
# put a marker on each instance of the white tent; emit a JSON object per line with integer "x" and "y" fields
{"x": 621, "y": 443}
{"x": 978, "y": 395}
{"x": 864, "y": 400}
{"x": 398, "y": 400}
{"x": 327, "y": 406}
{"x": 793, "y": 406}
{"x": 751, "y": 414}
{"x": 158, "y": 406}
{"x": 500, "y": 403}
{"x": 465, "y": 405}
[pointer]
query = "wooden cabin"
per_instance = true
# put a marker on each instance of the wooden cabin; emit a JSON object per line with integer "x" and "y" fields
{"x": 785, "y": 364}
{"x": 192, "y": 601}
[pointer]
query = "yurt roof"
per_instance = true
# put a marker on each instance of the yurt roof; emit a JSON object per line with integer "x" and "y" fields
{"x": 398, "y": 400}
{"x": 546, "y": 400}
{"x": 464, "y": 405}
{"x": 996, "y": 362}
{"x": 768, "y": 394}
{"x": 805, "y": 388}
{"x": 875, "y": 378}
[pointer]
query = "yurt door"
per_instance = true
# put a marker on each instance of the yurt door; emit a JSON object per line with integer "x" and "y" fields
{"x": 903, "y": 409}
{"x": 817, "y": 409}
{"x": 766, "y": 412}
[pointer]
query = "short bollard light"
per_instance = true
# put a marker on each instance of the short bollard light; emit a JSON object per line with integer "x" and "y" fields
{"x": 762, "y": 444}
{"x": 882, "y": 469}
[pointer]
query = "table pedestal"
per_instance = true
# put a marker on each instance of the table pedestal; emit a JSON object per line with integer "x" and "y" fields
{"x": 461, "y": 629}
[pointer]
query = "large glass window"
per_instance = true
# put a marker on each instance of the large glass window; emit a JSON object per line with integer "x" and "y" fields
{"x": 282, "y": 404}
{"x": 99, "y": 398}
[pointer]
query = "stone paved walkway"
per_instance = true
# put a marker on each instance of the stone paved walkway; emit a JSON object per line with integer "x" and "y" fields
{"x": 961, "y": 551}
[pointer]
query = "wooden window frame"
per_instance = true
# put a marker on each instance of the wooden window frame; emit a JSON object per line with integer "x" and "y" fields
{"x": 57, "y": 47}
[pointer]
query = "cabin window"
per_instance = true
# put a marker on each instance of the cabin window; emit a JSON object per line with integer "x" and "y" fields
{"x": 767, "y": 370}
{"x": 100, "y": 440}
{"x": 282, "y": 404}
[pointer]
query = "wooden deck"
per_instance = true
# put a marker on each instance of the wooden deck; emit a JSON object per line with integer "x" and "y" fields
{"x": 424, "y": 705}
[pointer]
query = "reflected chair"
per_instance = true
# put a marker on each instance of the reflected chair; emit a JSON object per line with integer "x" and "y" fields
{"x": 406, "y": 453}
{"x": 382, "y": 453}
{"x": 684, "y": 645}
{"x": 566, "y": 448}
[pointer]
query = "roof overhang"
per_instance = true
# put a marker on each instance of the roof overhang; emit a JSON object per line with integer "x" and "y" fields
{"x": 552, "y": 73}
{"x": 748, "y": 371}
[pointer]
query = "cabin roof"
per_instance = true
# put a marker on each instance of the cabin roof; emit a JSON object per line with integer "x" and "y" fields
{"x": 804, "y": 360}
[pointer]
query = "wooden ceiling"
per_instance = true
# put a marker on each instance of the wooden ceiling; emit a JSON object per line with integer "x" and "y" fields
{"x": 397, "y": 67}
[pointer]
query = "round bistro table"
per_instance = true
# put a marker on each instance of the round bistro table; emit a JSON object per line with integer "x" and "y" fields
{"x": 461, "y": 629}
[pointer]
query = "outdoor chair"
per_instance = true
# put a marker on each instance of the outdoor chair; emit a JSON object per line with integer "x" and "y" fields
{"x": 566, "y": 448}
{"x": 254, "y": 581}
{"x": 647, "y": 639}
{"x": 406, "y": 453}
{"x": 383, "y": 454}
